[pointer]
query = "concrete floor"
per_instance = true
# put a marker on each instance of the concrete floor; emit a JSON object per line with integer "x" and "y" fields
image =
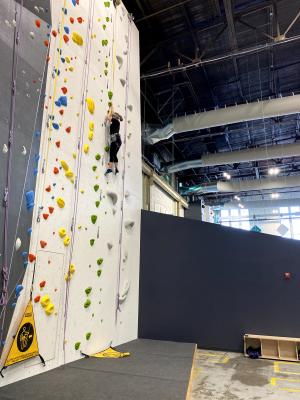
{"x": 231, "y": 376}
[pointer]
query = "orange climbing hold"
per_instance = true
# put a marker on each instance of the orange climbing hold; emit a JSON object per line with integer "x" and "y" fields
{"x": 55, "y": 170}
{"x": 46, "y": 43}
{"x": 48, "y": 189}
{"x": 51, "y": 209}
{"x": 38, "y": 23}
{"x": 54, "y": 33}
{"x": 57, "y": 144}
{"x": 72, "y": 20}
{"x": 31, "y": 257}
{"x": 43, "y": 244}
{"x": 42, "y": 284}
{"x": 68, "y": 129}
{"x": 45, "y": 216}
{"x": 37, "y": 299}
{"x": 80, "y": 20}
{"x": 64, "y": 90}
{"x": 66, "y": 38}
{"x": 61, "y": 112}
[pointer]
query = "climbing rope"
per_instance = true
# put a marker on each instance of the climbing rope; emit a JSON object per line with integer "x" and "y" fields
{"x": 5, "y": 270}
{"x": 124, "y": 169}
{"x": 87, "y": 55}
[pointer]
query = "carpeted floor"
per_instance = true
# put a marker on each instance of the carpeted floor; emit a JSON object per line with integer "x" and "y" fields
{"x": 155, "y": 370}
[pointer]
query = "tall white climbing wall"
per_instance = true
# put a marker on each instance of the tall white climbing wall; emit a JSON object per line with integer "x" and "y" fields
{"x": 86, "y": 227}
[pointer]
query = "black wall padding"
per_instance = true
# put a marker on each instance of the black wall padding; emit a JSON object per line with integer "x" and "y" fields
{"x": 208, "y": 284}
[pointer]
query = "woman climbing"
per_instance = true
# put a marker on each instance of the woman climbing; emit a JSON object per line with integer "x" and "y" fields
{"x": 113, "y": 119}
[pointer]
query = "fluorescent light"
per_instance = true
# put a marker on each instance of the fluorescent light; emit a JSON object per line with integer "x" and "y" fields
{"x": 275, "y": 195}
{"x": 227, "y": 176}
{"x": 237, "y": 198}
{"x": 274, "y": 171}
{"x": 241, "y": 205}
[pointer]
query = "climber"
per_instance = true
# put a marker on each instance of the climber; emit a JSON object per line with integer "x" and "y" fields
{"x": 113, "y": 120}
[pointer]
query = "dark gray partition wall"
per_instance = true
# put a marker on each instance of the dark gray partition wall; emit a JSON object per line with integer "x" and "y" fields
{"x": 208, "y": 284}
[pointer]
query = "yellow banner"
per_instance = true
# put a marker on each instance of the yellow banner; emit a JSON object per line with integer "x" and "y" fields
{"x": 25, "y": 343}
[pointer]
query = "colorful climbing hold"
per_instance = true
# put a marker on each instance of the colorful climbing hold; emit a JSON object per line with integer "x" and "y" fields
{"x": 98, "y": 156}
{"x": 51, "y": 209}
{"x": 43, "y": 244}
{"x": 92, "y": 242}
{"x": 77, "y": 345}
{"x": 96, "y": 188}
{"x": 31, "y": 257}
{"x": 60, "y": 202}
{"x": 77, "y": 38}
{"x": 37, "y": 23}
{"x": 99, "y": 272}
{"x": 37, "y": 299}
{"x": 62, "y": 232}
{"x": 88, "y": 335}
{"x": 43, "y": 284}
{"x": 45, "y": 216}
{"x": 94, "y": 219}
{"x": 88, "y": 290}
{"x": 90, "y": 104}
{"x": 55, "y": 170}
{"x": 86, "y": 148}
{"x": 49, "y": 309}
{"x": 68, "y": 129}
{"x": 97, "y": 203}
{"x": 64, "y": 165}
{"x": 67, "y": 240}
{"x": 87, "y": 303}
{"x": 29, "y": 199}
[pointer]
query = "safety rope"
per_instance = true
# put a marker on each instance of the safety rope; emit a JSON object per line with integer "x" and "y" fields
{"x": 124, "y": 169}
{"x": 5, "y": 271}
{"x": 87, "y": 55}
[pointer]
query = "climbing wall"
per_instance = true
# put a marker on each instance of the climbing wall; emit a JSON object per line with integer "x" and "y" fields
{"x": 84, "y": 249}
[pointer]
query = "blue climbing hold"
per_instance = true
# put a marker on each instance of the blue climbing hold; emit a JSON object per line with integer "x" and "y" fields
{"x": 37, "y": 133}
{"x": 29, "y": 231}
{"x": 29, "y": 199}
{"x": 14, "y": 305}
{"x": 18, "y": 290}
{"x": 63, "y": 60}
{"x": 35, "y": 171}
{"x": 25, "y": 258}
{"x": 63, "y": 101}
{"x": 74, "y": 2}
{"x": 55, "y": 125}
{"x": 36, "y": 157}
{"x": 67, "y": 30}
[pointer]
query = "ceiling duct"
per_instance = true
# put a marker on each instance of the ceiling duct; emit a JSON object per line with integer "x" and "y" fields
{"x": 239, "y": 156}
{"x": 228, "y": 115}
{"x": 245, "y": 185}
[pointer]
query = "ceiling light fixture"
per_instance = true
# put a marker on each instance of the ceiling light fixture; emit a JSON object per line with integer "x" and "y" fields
{"x": 275, "y": 195}
{"x": 274, "y": 171}
{"x": 237, "y": 198}
{"x": 226, "y": 176}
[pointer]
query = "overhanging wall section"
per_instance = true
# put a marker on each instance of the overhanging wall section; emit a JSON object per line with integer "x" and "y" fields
{"x": 211, "y": 284}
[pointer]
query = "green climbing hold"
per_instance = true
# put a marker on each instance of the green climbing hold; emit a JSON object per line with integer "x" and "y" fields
{"x": 97, "y": 203}
{"x": 88, "y": 336}
{"x": 98, "y": 156}
{"x": 87, "y": 303}
{"x": 106, "y": 64}
{"x": 107, "y": 148}
{"x": 107, "y": 4}
{"x": 94, "y": 219}
{"x": 94, "y": 168}
{"x": 107, "y": 19}
{"x": 110, "y": 104}
{"x": 96, "y": 188}
{"x": 104, "y": 27}
{"x": 105, "y": 72}
{"x": 92, "y": 242}
{"x": 104, "y": 42}
{"x": 100, "y": 261}
{"x": 99, "y": 272}
{"x": 88, "y": 290}
{"x": 110, "y": 95}
{"x": 77, "y": 345}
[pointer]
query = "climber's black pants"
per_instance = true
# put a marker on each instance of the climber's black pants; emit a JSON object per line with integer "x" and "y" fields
{"x": 114, "y": 148}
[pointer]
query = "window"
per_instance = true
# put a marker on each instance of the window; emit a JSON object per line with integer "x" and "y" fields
{"x": 283, "y": 210}
{"x": 236, "y": 218}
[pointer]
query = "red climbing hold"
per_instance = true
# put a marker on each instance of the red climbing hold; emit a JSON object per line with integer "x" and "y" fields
{"x": 68, "y": 129}
{"x": 72, "y": 20}
{"x": 38, "y": 23}
{"x": 45, "y": 216}
{"x": 43, "y": 243}
{"x": 57, "y": 144}
{"x": 64, "y": 90}
{"x": 42, "y": 284}
{"x": 80, "y": 20}
{"x": 61, "y": 112}
{"x": 55, "y": 170}
{"x": 51, "y": 209}
{"x": 48, "y": 189}
{"x": 66, "y": 38}
{"x": 46, "y": 43}
{"x": 54, "y": 33}
{"x": 37, "y": 299}
{"x": 31, "y": 257}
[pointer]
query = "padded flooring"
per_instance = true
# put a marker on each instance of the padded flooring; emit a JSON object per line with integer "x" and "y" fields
{"x": 155, "y": 370}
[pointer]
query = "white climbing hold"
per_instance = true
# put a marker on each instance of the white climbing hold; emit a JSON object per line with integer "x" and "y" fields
{"x": 7, "y": 23}
{"x": 110, "y": 245}
{"x": 24, "y": 151}
{"x": 124, "y": 292}
{"x": 32, "y": 35}
{"x": 129, "y": 225}
{"x": 5, "y": 149}
{"x": 14, "y": 22}
{"x": 18, "y": 244}
{"x": 36, "y": 9}
{"x": 120, "y": 61}
{"x": 113, "y": 196}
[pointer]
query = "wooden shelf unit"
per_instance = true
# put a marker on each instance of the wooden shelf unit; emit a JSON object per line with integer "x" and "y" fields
{"x": 273, "y": 347}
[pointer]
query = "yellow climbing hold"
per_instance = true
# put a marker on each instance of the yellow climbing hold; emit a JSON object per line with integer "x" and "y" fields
{"x": 67, "y": 60}
{"x": 81, "y": 191}
{"x": 69, "y": 274}
{"x": 62, "y": 232}
{"x": 86, "y": 148}
{"x": 79, "y": 226}
{"x": 72, "y": 180}
{"x": 69, "y": 174}
{"x": 91, "y": 135}
{"x": 49, "y": 309}
{"x": 77, "y": 38}
{"x": 67, "y": 240}
{"x": 60, "y": 202}
{"x": 64, "y": 165}
{"x": 71, "y": 69}
{"x": 91, "y": 126}
{"x": 45, "y": 300}
{"x": 90, "y": 104}
{"x": 74, "y": 155}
